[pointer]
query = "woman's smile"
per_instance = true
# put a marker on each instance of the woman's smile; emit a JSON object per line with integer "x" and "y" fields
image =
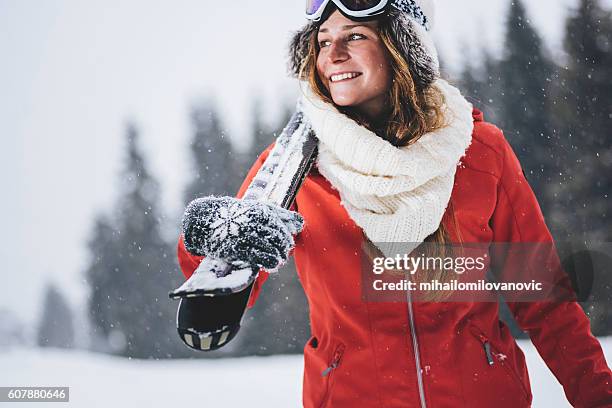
{"x": 344, "y": 76}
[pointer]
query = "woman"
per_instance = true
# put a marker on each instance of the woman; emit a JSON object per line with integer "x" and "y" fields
{"x": 391, "y": 134}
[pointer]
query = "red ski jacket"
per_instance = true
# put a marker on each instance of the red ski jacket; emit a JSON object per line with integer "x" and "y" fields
{"x": 452, "y": 354}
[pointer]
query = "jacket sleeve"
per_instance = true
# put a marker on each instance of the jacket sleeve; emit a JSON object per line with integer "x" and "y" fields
{"x": 189, "y": 263}
{"x": 560, "y": 331}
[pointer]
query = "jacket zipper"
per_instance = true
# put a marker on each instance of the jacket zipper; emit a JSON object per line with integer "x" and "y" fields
{"x": 328, "y": 371}
{"x": 417, "y": 355}
{"x": 334, "y": 363}
{"x": 486, "y": 344}
{"x": 487, "y": 349}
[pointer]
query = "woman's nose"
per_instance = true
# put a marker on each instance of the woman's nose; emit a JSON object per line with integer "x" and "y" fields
{"x": 337, "y": 52}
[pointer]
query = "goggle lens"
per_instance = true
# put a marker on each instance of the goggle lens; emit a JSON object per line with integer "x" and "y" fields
{"x": 313, "y": 6}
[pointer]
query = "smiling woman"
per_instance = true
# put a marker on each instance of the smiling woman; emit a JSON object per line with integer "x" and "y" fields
{"x": 399, "y": 62}
{"x": 390, "y": 136}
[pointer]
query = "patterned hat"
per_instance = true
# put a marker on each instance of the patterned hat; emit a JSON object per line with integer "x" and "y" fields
{"x": 411, "y": 22}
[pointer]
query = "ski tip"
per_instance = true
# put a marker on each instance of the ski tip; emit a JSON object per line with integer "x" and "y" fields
{"x": 180, "y": 293}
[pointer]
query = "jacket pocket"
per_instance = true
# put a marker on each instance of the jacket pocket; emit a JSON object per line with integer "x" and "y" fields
{"x": 328, "y": 373}
{"x": 494, "y": 357}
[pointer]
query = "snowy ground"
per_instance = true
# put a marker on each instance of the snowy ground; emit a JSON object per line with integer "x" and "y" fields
{"x": 103, "y": 381}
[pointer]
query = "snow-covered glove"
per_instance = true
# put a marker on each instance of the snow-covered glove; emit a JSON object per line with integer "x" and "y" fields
{"x": 257, "y": 233}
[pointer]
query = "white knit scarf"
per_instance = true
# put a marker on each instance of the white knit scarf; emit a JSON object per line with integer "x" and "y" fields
{"x": 396, "y": 195}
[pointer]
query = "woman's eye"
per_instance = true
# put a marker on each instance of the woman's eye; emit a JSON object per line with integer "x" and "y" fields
{"x": 351, "y": 37}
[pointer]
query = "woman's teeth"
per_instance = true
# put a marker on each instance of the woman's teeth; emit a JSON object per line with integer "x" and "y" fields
{"x": 342, "y": 77}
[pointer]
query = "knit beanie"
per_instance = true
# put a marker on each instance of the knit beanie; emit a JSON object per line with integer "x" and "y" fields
{"x": 410, "y": 23}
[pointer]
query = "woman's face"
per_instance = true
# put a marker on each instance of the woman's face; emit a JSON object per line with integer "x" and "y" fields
{"x": 353, "y": 64}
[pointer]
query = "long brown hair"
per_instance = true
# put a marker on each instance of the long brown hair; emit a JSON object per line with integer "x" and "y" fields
{"x": 414, "y": 111}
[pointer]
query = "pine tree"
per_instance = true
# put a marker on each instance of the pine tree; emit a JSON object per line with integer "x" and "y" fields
{"x": 525, "y": 73}
{"x": 56, "y": 328}
{"x": 492, "y": 87}
{"x": 132, "y": 268}
{"x": 101, "y": 274}
{"x": 588, "y": 43}
{"x": 584, "y": 119}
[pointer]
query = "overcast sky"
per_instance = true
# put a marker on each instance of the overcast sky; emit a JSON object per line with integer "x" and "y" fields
{"x": 73, "y": 72}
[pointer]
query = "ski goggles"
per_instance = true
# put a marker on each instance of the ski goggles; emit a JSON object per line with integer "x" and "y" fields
{"x": 366, "y": 8}
{"x": 352, "y": 8}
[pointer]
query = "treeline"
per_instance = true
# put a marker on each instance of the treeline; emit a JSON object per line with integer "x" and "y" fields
{"x": 556, "y": 114}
